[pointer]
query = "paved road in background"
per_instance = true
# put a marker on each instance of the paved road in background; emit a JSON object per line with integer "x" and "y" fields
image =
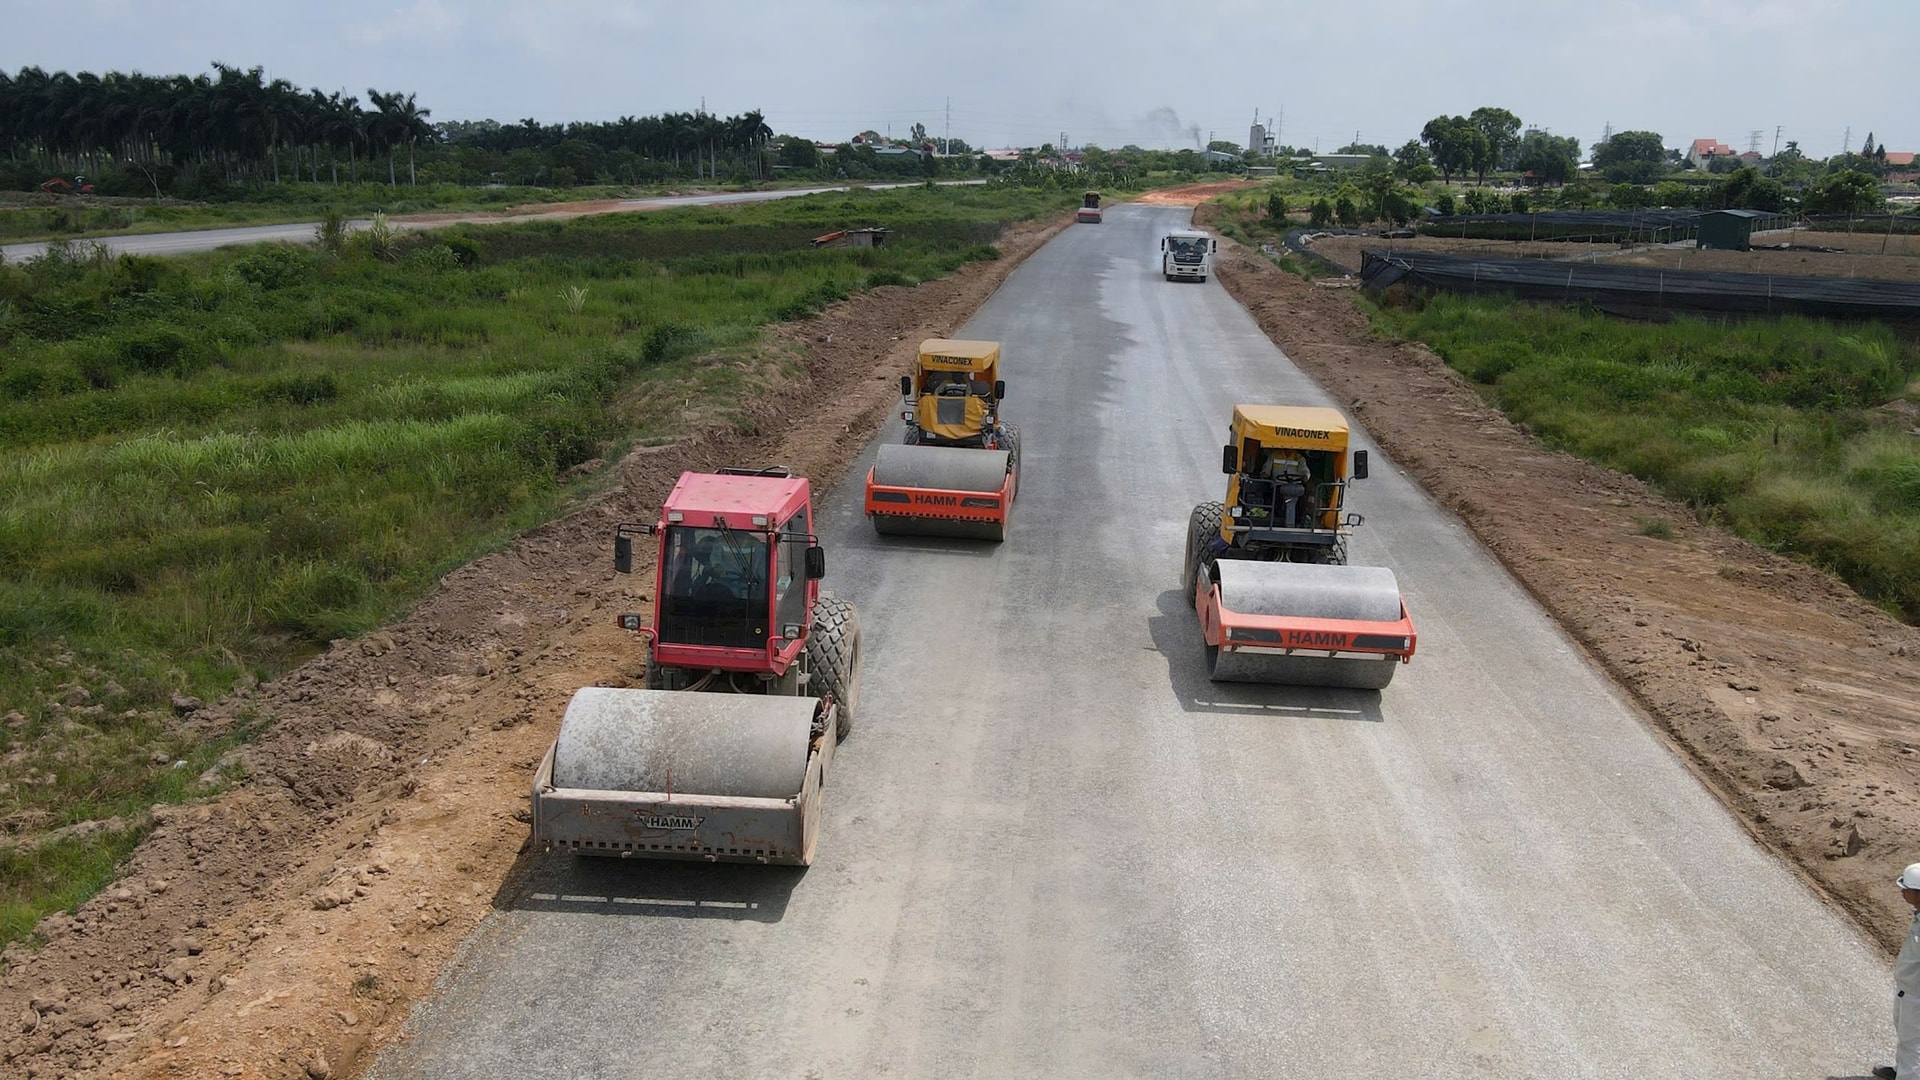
{"x": 180, "y": 243}
{"x": 1053, "y": 848}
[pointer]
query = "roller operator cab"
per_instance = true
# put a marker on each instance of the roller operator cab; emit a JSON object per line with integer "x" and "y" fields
{"x": 1266, "y": 567}
{"x": 957, "y": 467}
{"x": 1089, "y": 212}
{"x": 753, "y": 675}
{"x": 1186, "y": 254}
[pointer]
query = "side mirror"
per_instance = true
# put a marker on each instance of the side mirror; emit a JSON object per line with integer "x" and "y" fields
{"x": 1229, "y": 459}
{"x": 1359, "y": 464}
{"x": 999, "y": 389}
{"x": 816, "y": 563}
{"x": 622, "y": 554}
{"x": 1163, "y": 243}
{"x": 906, "y": 386}
{"x": 1213, "y": 245}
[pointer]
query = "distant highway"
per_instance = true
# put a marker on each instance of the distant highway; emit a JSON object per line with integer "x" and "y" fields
{"x": 180, "y": 243}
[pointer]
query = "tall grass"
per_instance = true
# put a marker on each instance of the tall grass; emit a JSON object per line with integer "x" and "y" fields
{"x": 214, "y": 466}
{"x": 1792, "y": 432}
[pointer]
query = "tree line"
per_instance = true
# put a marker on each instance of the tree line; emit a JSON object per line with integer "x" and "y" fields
{"x": 236, "y": 124}
{"x": 185, "y": 134}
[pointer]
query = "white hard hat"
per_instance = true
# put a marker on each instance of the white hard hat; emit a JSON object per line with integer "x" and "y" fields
{"x": 1909, "y": 878}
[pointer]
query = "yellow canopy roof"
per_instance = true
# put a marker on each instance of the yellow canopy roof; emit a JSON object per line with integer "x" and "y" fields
{"x": 1292, "y": 425}
{"x": 951, "y": 355}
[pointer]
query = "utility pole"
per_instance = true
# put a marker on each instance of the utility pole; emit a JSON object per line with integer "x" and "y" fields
{"x": 946, "y": 140}
{"x": 1846, "y": 141}
{"x": 1777, "y": 128}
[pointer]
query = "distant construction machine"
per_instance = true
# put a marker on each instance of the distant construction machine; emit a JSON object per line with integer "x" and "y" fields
{"x": 1089, "y": 212}
{"x": 1186, "y": 254}
{"x": 732, "y": 774}
{"x": 1266, "y": 569}
{"x": 958, "y": 468}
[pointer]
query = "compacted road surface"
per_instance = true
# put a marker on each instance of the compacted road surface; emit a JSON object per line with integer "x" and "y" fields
{"x": 1052, "y": 848}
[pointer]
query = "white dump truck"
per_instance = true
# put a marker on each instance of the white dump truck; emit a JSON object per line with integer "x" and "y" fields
{"x": 1186, "y": 253}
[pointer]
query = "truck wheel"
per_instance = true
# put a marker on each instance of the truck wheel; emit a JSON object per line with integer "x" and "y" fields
{"x": 833, "y": 651}
{"x": 1202, "y": 527}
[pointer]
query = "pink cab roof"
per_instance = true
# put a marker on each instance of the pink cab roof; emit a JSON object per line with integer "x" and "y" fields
{"x": 700, "y": 496}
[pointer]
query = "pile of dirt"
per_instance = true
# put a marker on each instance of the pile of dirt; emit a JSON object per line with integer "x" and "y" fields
{"x": 1789, "y": 695}
{"x": 1193, "y": 194}
{"x": 285, "y": 929}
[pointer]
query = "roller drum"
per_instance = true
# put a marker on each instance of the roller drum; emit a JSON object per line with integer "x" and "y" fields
{"x": 746, "y": 745}
{"x": 940, "y": 468}
{"x": 1310, "y": 590}
{"x": 1313, "y": 591}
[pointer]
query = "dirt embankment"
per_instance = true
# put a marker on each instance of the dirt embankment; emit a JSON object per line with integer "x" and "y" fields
{"x": 285, "y": 929}
{"x": 1790, "y": 696}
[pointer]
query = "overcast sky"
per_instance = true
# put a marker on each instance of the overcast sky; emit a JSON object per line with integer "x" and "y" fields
{"x": 1022, "y": 72}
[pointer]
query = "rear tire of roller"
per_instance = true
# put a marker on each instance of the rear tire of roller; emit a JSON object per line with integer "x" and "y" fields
{"x": 1202, "y": 525}
{"x": 833, "y": 651}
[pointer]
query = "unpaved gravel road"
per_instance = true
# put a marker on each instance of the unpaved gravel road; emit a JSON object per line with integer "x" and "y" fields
{"x": 180, "y": 243}
{"x": 1499, "y": 869}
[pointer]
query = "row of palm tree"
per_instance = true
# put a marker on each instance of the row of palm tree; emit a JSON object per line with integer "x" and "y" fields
{"x": 699, "y": 138}
{"x": 233, "y": 120}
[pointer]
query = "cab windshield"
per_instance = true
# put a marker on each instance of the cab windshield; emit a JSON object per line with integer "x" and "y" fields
{"x": 714, "y": 590}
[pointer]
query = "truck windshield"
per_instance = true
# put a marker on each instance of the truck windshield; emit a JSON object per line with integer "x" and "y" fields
{"x": 714, "y": 589}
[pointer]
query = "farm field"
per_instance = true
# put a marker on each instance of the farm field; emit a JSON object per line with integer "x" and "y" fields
{"x": 1862, "y": 258}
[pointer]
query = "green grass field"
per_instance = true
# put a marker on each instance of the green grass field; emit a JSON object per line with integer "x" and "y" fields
{"x": 1794, "y": 433}
{"x": 214, "y": 465}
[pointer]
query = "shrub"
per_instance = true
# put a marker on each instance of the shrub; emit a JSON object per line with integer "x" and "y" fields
{"x": 273, "y": 266}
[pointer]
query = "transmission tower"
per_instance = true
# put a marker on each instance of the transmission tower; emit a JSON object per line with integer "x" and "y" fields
{"x": 1753, "y": 140}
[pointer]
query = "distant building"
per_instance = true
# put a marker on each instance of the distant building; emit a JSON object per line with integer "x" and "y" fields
{"x": 1732, "y": 230}
{"x": 1341, "y": 161}
{"x": 1705, "y": 150}
{"x": 1899, "y": 159}
{"x": 1261, "y": 141}
{"x": 1218, "y": 157}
